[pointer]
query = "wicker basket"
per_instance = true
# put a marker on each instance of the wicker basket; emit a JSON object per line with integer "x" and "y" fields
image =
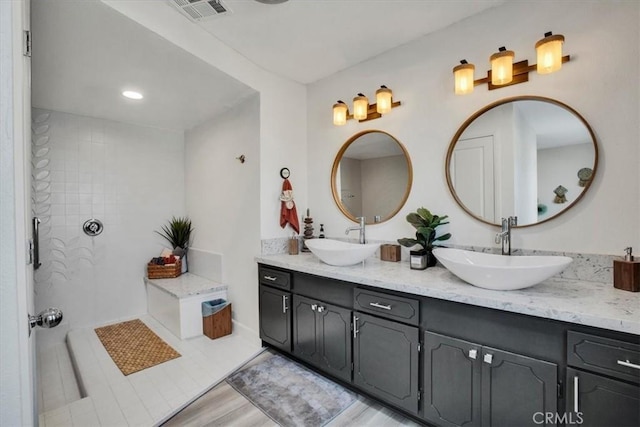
{"x": 164, "y": 271}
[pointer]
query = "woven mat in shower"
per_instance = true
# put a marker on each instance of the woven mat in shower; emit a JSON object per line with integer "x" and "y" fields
{"x": 133, "y": 346}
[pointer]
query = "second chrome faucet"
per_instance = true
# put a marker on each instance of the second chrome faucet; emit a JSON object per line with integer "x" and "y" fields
{"x": 362, "y": 238}
{"x": 504, "y": 236}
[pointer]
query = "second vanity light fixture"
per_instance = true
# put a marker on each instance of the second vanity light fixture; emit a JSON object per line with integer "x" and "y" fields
{"x": 505, "y": 73}
{"x": 362, "y": 110}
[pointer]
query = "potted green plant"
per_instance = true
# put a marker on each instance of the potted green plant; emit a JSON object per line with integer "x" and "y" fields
{"x": 425, "y": 224}
{"x": 178, "y": 234}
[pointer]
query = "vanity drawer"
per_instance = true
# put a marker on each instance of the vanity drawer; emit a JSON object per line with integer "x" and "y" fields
{"x": 392, "y": 307}
{"x": 275, "y": 278}
{"x": 619, "y": 359}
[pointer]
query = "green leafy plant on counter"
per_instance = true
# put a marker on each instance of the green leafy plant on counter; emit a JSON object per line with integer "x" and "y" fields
{"x": 425, "y": 224}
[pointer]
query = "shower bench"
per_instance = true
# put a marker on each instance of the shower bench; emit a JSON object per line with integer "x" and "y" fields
{"x": 176, "y": 303}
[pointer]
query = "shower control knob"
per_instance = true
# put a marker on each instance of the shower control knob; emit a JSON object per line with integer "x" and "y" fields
{"x": 49, "y": 318}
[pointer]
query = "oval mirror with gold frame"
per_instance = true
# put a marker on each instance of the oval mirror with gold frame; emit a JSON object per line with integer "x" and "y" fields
{"x": 371, "y": 176}
{"x": 527, "y": 156}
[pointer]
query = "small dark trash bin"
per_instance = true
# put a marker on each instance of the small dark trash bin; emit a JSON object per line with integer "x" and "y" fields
{"x": 216, "y": 318}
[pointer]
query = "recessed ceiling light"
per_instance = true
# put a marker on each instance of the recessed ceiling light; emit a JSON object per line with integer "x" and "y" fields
{"x": 132, "y": 94}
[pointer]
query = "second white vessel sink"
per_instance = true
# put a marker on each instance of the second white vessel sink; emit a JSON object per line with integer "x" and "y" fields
{"x": 335, "y": 252}
{"x": 500, "y": 272}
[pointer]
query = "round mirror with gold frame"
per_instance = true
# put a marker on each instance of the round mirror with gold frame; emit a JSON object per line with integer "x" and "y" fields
{"x": 371, "y": 176}
{"x": 527, "y": 156}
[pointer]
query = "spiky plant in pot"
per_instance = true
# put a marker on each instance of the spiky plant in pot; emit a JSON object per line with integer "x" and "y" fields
{"x": 425, "y": 224}
{"x": 178, "y": 234}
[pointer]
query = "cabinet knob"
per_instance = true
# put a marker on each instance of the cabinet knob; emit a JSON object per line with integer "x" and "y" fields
{"x": 488, "y": 358}
{"x": 320, "y": 309}
{"x": 314, "y": 307}
{"x": 473, "y": 353}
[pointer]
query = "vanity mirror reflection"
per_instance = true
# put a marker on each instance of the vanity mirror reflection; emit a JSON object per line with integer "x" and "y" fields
{"x": 371, "y": 176}
{"x": 528, "y": 156}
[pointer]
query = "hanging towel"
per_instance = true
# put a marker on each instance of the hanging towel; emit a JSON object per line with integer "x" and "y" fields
{"x": 288, "y": 213}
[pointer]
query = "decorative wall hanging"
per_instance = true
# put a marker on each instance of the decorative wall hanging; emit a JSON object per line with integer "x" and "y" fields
{"x": 584, "y": 176}
{"x": 560, "y": 194}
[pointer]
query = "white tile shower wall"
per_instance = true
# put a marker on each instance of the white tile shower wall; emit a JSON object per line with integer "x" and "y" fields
{"x": 129, "y": 177}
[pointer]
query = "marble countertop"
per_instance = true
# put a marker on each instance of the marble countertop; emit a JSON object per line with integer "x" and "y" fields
{"x": 186, "y": 285}
{"x": 574, "y": 301}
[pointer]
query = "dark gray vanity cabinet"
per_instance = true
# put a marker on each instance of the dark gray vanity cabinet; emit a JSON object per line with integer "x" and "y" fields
{"x": 467, "y": 384}
{"x": 275, "y": 301}
{"x": 385, "y": 359}
{"x": 275, "y": 317}
{"x": 603, "y": 380}
{"x": 515, "y": 388}
{"x": 452, "y": 379}
{"x": 322, "y": 335}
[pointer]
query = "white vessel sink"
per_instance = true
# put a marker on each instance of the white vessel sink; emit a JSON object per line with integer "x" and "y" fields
{"x": 335, "y": 252}
{"x": 500, "y": 272}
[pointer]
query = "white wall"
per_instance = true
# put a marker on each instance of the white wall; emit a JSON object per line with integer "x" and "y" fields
{"x": 386, "y": 181}
{"x": 223, "y": 199}
{"x": 283, "y": 116}
{"x": 601, "y": 83}
{"x": 129, "y": 177}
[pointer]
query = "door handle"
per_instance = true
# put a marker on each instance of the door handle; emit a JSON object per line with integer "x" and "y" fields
{"x": 575, "y": 394}
{"x": 355, "y": 326}
{"x": 36, "y": 243}
{"x": 49, "y": 318}
{"x": 473, "y": 353}
{"x": 284, "y": 304}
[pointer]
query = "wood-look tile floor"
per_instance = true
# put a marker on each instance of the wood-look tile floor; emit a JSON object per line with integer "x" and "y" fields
{"x": 223, "y": 406}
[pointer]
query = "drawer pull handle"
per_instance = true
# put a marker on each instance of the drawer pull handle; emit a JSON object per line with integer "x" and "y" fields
{"x": 378, "y": 305}
{"x": 628, "y": 364}
{"x": 473, "y": 353}
{"x": 271, "y": 278}
{"x": 575, "y": 394}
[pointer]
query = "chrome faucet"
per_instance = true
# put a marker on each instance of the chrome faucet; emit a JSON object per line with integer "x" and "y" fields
{"x": 504, "y": 236}
{"x": 360, "y": 227}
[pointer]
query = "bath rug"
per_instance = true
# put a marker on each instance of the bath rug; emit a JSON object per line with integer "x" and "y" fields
{"x": 290, "y": 394}
{"x": 134, "y": 347}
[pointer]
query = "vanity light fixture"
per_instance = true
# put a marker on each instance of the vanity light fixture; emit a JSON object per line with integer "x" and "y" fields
{"x": 362, "y": 110}
{"x": 506, "y": 73}
{"x": 549, "y": 52}
{"x": 463, "y": 76}
{"x": 360, "y": 107}
{"x": 502, "y": 66}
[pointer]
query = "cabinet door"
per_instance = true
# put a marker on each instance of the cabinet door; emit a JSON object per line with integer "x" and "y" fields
{"x": 515, "y": 388}
{"x": 452, "y": 369}
{"x": 275, "y": 317}
{"x": 601, "y": 401}
{"x": 305, "y": 329}
{"x": 386, "y": 360}
{"x": 335, "y": 340}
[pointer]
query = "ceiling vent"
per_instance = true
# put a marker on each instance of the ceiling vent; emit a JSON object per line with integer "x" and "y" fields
{"x": 199, "y": 10}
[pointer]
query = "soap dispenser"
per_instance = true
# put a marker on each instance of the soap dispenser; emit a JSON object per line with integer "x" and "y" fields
{"x": 626, "y": 272}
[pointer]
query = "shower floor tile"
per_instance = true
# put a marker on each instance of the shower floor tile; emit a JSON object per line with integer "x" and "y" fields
{"x": 151, "y": 396}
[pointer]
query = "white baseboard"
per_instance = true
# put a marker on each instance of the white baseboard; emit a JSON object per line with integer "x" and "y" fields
{"x": 246, "y": 333}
